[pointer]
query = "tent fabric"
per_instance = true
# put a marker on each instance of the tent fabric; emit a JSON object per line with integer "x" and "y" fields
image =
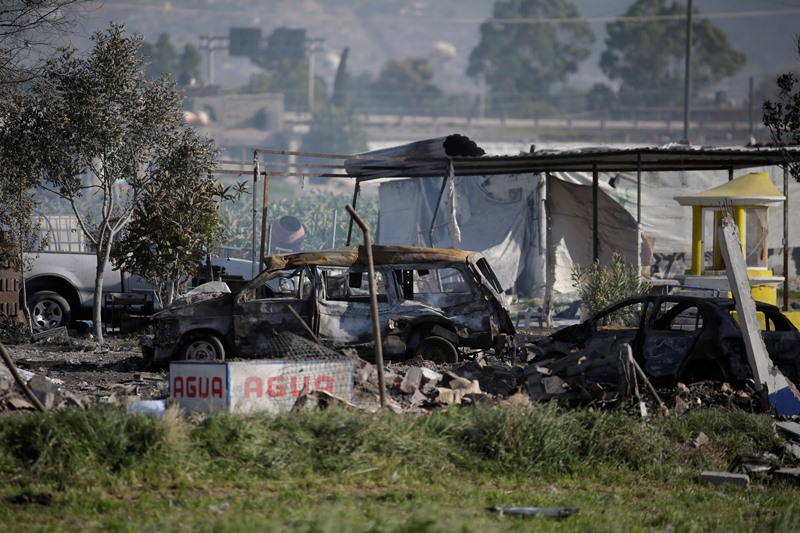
{"x": 499, "y": 228}
{"x": 510, "y": 226}
{"x": 570, "y": 215}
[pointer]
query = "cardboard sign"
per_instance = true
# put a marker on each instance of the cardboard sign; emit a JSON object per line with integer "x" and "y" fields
{"x": 249, "y": 386}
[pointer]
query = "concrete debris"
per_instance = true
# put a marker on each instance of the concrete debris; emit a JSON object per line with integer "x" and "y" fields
{"x": 411, "y": 381}
{"x": 698, "y": 439}
{"x": 45, "y": 390}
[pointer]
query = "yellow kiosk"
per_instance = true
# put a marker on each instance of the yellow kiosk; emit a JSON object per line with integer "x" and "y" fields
{"x": 748, "y": 199}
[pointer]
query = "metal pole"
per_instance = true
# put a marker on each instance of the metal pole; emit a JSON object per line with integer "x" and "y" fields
{"x": 255, "y": 181}
{"x": 311, "y": 79}
{"x": 750, "y": 100}
{"x": 639, "y": 212}
{"x": 436, "y": 211}
{"x": 373, "y": 301}
{"x": 333, "y": 236}
{"x": 786, "y": 239}
{"x": 595, "y": 217}
{"x": 356, "y": 190}
{"x": 264, "y": 208}
{"x": 688, "y": 79}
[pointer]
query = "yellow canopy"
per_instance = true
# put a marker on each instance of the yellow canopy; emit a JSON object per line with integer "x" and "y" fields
{"x": 751, "y": 189}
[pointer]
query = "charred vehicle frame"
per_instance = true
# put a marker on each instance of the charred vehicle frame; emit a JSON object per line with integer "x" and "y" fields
{"x": 681, "y": 338}
{"x": 432, "y": 302}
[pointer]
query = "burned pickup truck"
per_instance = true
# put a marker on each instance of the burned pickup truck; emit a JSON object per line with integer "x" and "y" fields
{"x": 432, "y": 302}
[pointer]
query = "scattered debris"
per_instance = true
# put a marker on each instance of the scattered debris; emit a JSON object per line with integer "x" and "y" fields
{"x": 723, "y": 478}
{"x": 552, "y": 512}
{"x": 698, "y": 439}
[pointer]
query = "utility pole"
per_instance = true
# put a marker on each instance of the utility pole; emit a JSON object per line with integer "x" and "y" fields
{"x": 209, "y": 43}
{"x": 688, "y": 76}
{"x": 314, "y": 45}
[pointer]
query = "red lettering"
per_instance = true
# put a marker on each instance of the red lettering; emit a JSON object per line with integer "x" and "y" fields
{"x": 198, "y": 387}
{"x": 177, "y": 386}
{"x": 278, "y": 390}
{"x": 253, "y": 387}
{"x": 216, "y": 387}
{"x": 295, "y": 391}
{"x": 324, "y": 383}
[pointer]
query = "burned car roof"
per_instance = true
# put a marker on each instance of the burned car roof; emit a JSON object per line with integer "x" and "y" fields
{"x": 351, "y": 255}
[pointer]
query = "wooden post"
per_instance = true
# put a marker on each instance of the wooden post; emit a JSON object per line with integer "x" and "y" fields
{"x": 776, "y": 391}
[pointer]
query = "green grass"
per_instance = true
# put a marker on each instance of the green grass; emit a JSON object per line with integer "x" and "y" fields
{"x": 338, "y": 470}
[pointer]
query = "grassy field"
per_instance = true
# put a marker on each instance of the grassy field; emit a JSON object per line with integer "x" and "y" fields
{"x": 338, "y": 470}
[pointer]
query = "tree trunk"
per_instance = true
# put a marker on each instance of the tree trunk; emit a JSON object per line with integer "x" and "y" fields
{"x": 103, "y": 253}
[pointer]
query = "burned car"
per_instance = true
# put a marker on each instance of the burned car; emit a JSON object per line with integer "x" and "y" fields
{"x": 680, "y": 338}
{"x": 432, "y": 302}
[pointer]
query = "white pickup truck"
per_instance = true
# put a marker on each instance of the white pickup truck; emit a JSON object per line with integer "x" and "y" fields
{"x": 60, "y": 284}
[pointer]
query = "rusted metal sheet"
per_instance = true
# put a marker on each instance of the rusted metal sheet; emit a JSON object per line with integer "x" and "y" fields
{"x": 351, "y": 255}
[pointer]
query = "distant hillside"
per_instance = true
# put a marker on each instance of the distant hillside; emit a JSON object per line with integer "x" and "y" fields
{"x": 378, "y": 31}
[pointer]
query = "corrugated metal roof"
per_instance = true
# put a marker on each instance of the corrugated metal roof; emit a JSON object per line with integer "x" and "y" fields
{"x": 432, "y": 158}
{"x": 646, "y": 159}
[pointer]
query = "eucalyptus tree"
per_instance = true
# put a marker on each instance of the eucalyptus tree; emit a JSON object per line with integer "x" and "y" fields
{"x": 646, "y": 52}
{"x": 104, "y": 133}
{"x": 30, "y": 31}
{"x": 527, "y": 47}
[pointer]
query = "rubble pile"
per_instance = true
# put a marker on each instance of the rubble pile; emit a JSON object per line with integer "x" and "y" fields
{"x": 76, "y": 373}
{"x": 600, "y": 378}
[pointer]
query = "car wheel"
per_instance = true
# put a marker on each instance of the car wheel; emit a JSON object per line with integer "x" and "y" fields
{"x": 437, "y": 349}
{"x": 204, "y": 347}
{"x": 49, "y": 310}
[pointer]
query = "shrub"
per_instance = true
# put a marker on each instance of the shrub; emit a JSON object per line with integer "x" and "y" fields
{"x": 599, "y": 287}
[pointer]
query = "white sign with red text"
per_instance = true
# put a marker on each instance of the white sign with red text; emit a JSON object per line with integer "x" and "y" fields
{"x": 199, "y": 386}
{"x": 248, "y": 386}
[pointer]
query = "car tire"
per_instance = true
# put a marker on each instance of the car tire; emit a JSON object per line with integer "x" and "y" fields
{"x": 205, "y": 347}
{"x": 437, "y": 349}
{"x": 49, "y": 310}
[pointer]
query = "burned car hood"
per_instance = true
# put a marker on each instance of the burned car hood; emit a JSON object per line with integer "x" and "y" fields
{"x": 201, "y": 304}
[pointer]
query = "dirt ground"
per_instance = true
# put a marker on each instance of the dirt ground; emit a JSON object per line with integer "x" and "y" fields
{"x": 112, "y": 373}
{"x": 116, "y": 373}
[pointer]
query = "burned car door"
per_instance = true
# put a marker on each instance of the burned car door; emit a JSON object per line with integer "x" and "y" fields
{"x": 621, "y": 322}
{"x": 671, "y": 331}
{"x": 345, "y": 313}
{"x": 782, "y": 341}
{"x": 262, "y": 309}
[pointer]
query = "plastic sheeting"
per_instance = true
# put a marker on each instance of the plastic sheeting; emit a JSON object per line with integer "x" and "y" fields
{"x": 498, "y": 227}
{"x": 509, "y": 226}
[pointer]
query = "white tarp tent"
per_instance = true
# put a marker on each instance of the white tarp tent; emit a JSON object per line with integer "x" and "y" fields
{"x": 515, "y": 219}
{"x": 505, "y": 218}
